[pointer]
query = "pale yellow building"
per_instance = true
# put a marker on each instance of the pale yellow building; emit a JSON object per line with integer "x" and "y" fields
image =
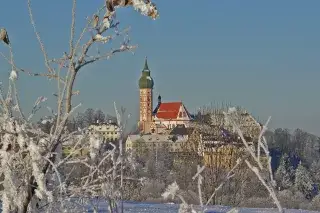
{"x": 109, "y": 131}
{"x": 140, "y": 143}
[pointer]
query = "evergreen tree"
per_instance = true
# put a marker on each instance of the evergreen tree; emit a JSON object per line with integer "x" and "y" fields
{"x": 284, "y": 173}
{"x": 315, "y": 172}
{"x": 303, "y": 181}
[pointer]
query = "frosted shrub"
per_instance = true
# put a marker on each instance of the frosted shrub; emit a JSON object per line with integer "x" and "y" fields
{"x": 152, "y": 189}
{"x": 286, "y": 198}
{"x": 315, "y": 203}
{"x": 173, "y": 191}
{"x": 95, "y": 145}
{"x": 37, "y": 175}
{"x": 257, "y": 202}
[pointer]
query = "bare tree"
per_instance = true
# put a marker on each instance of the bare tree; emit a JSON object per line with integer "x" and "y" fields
{"x": 30, "y": 158}
{"x": 99, "y": 116}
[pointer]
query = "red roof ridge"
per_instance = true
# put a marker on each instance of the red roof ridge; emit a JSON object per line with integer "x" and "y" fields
{"x": 169, "y": 110}
{"x": 171, "y": 102}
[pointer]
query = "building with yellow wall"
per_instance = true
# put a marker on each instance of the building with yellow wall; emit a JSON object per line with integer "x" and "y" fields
{"x": 109, "y": 131}
{"x": 220, "y": 151}
{"x": 140, "y": 143}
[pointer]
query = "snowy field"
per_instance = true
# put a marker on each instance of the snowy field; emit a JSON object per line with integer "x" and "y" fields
{"x": 134, "y": 207}
{"x": 138, "y": 207}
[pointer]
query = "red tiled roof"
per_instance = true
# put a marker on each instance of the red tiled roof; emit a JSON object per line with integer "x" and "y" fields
{"x": 168, "y": 110}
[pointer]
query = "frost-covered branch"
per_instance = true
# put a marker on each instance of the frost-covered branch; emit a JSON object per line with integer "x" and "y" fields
{"x": 42, "y": 47}
{"x": 200, "y": 179}
{"x": 38, "y": 174}
{"x": 229, "y": 175}
{"x": 259, "y": 170}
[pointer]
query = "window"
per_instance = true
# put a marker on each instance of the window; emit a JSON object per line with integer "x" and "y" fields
{"x": 184, "y": 114}
{"x": 180, "y": 114}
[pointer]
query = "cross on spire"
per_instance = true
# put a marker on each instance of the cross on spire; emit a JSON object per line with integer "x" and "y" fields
{"x": 146, "y": 64}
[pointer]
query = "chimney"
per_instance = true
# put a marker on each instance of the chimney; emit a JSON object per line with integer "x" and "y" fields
{"x": 159, "y": 99}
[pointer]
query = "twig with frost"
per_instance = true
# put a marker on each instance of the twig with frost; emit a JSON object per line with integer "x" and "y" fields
{"x": 35, "y": 74}
{"x": 122, "y": 122}
{"x": 173, "y": 191}
{"x": 39, "y": 154}
{"x": 232, "y": 115}
{"x": 42, "y": 47}
{"x": 229, "y": 175}
{"x": 200, "y": 179}
{"x": 36, "y": 106}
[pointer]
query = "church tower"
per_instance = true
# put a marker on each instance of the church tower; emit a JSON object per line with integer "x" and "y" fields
{"x": 146, "y": 98}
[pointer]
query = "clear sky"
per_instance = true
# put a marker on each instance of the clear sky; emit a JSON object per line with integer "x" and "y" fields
{"x": 262, "y": 55}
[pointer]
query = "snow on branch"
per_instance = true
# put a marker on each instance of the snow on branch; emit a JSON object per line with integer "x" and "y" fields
{"x": 145, "y": 7}
{"x": 261, "y": 169}
{"x": 38, "y": 167}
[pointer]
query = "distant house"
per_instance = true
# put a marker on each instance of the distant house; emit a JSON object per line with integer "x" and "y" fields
{"x": 155, "y": 141}
{"x": 109, "y": 131}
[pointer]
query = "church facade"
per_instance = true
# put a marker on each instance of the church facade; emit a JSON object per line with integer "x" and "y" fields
{"x": 165, "y": 116}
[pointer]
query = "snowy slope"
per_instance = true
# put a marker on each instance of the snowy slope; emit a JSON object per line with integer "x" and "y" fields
{"x": 135, "y": 207}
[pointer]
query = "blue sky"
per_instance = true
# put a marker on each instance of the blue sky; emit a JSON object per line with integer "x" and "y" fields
{"x": 262, "y": 55}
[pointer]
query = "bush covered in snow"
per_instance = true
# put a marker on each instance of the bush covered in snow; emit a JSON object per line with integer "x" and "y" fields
{"x": 37, "y": 177}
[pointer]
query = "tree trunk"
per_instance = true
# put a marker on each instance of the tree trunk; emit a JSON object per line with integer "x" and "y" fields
{"x": 27, "y": 200}
{"x": 69, "y": 90}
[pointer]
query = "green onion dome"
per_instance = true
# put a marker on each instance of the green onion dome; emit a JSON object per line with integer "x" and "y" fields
{"x": 145, "y": 81}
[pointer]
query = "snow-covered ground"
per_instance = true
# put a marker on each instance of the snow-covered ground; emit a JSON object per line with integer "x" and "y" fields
{"x": 135, "y": 207}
